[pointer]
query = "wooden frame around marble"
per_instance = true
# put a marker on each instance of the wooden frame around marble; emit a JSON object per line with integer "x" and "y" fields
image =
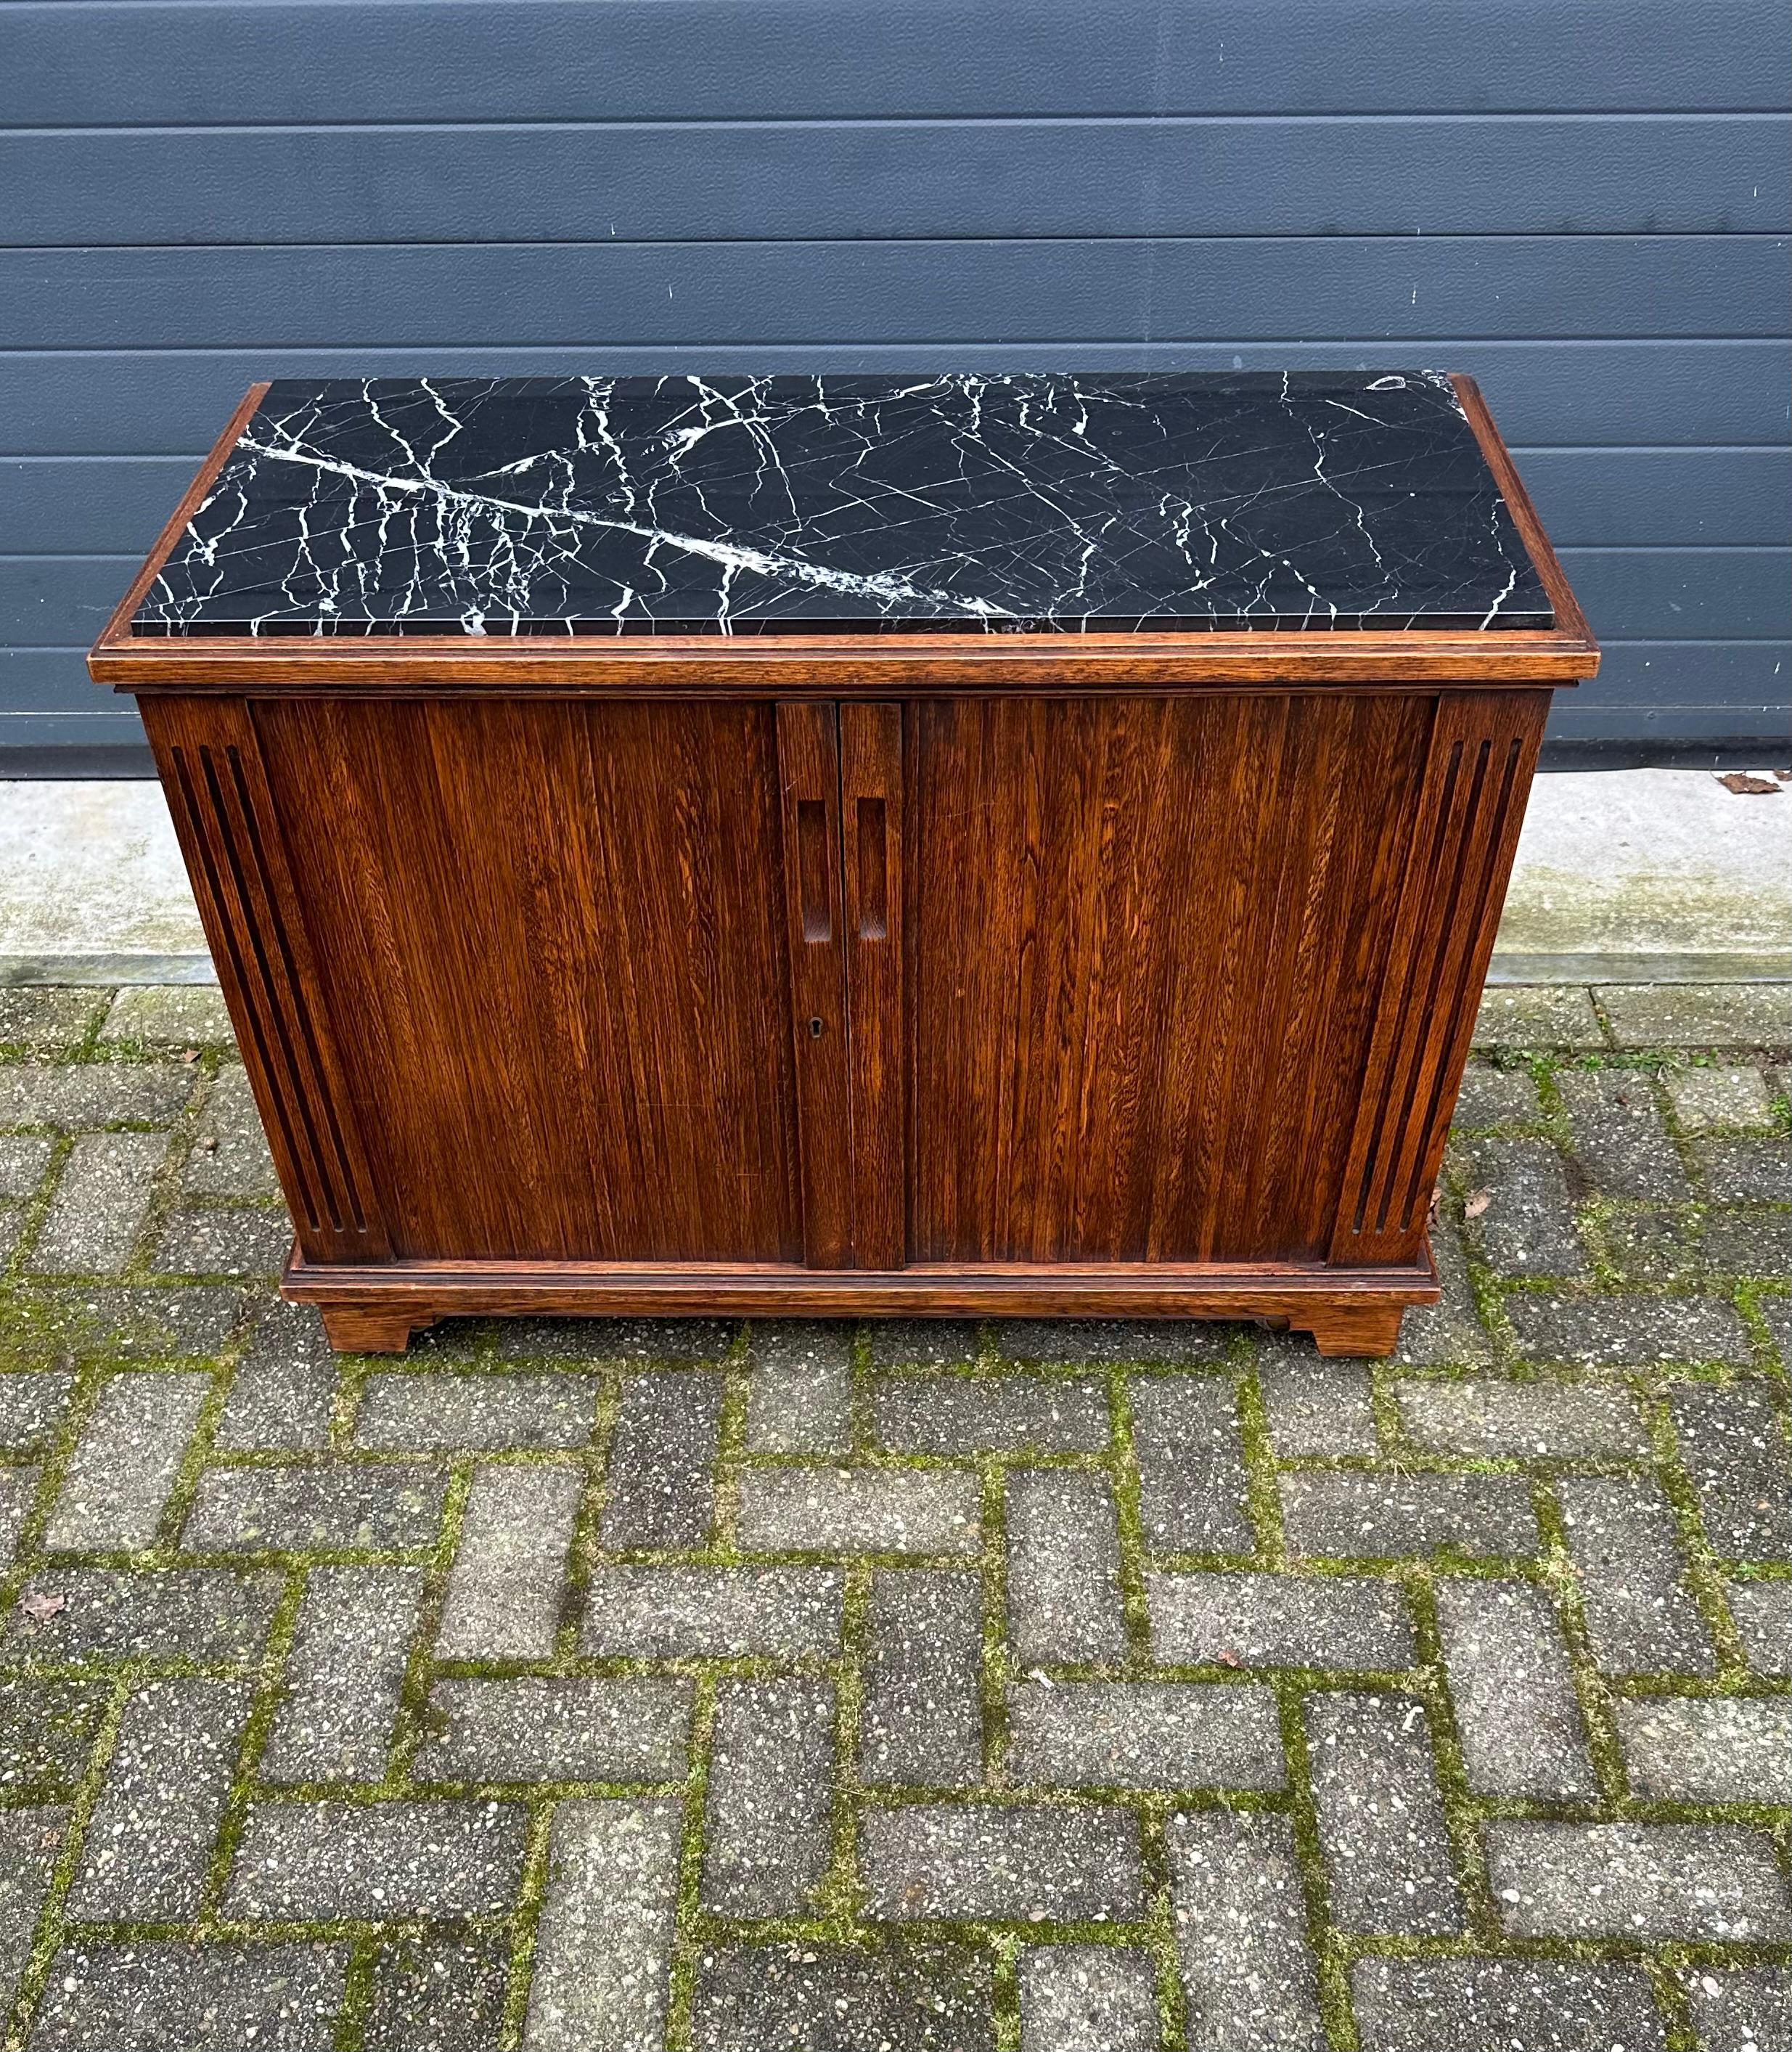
{"x": 859, "y": 665}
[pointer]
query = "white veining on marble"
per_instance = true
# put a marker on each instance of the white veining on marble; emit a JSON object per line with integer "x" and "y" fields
{"x": 730, "y": 504}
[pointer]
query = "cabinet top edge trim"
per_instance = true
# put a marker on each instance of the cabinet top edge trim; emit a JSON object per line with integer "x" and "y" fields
{"x": 1168, "y": 677}
{"x": 861, "y": 662}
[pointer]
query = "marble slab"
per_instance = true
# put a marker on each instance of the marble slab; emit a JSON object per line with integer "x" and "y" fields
{"x": 457, "y": 506}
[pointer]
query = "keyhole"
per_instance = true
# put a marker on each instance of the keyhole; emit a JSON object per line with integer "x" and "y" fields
{"x": 815, "y": 1029}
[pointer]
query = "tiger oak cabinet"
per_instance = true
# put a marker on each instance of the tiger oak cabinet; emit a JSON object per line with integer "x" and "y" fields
{"x": 853, "y": 846}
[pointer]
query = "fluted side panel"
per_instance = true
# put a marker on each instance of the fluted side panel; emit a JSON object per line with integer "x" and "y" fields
{"x": 211, "y": 772}
{"x": 1483, "y": 750}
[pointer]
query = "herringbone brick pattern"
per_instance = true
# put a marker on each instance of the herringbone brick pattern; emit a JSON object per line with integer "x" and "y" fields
{"x": 931, "y": 1687}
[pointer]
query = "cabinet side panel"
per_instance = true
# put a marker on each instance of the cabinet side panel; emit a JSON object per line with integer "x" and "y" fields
{"x": 233, "y": 838}
{"x": 1482, "y": 752}
{"x": 553, "y": 947}
{"x": 1142, "y": 953}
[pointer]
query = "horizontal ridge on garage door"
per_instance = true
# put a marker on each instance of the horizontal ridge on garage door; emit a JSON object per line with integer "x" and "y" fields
{"x": 543, "y": 294}
{"x": 542, "y": 60}
{"x": 755, "y": 181}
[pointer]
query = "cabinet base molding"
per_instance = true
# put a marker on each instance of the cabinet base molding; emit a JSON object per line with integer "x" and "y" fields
{"x": 376, "y": 1310}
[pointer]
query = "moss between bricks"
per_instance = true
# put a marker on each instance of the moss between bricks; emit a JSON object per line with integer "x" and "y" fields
{"x": 31, "y": 1333}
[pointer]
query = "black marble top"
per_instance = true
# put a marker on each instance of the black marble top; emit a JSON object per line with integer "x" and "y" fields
{"x": 737, "y": 505}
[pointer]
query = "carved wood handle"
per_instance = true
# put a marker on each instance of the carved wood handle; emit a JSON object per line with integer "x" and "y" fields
{"x": 873, "y": 893}
{"x": 811, "y": 869}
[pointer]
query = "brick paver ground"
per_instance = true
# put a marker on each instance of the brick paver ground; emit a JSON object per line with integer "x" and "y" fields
{"x": 944, "y": 1688}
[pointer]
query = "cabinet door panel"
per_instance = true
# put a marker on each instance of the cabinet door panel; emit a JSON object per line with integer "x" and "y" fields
{"x": 552, "y": 941}
{"x": 871, "y": 847}
{"x": 809, "y": 778}
{"x": 1143, "y": 943}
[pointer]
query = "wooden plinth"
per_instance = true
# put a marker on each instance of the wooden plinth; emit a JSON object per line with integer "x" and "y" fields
{"x": 378, "y": 1309}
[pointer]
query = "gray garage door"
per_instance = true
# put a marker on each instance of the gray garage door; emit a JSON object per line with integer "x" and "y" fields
{"x": 1584, "y": 203}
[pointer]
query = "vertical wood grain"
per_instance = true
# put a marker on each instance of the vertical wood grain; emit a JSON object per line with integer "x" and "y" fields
{"x": 1155, "y": 980}
{"x": 871, "y": 848}
{"x": 230, "y": 834}
{"x": 809, "y": 784}
{"x": 554, "y": 933}
{"x": 1482, "y": 752}
{"x": 1144, "y": 940}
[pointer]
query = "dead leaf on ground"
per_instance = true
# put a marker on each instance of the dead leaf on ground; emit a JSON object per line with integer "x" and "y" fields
{"x": 1478, "y": 1202}
{"x": 1229, "y": 1658}
{"x": 190, "y": 1054}
{"x": 1745, "y": 786}
{"x": 208, "y": 1145}
{"x": 40, "y": 1606}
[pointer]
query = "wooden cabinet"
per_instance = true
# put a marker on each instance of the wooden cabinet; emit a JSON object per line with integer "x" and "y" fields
{"x": 1033, "y": 977}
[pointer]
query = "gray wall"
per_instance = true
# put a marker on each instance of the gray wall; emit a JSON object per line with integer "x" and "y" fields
{"x": 1584, "y": 202}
